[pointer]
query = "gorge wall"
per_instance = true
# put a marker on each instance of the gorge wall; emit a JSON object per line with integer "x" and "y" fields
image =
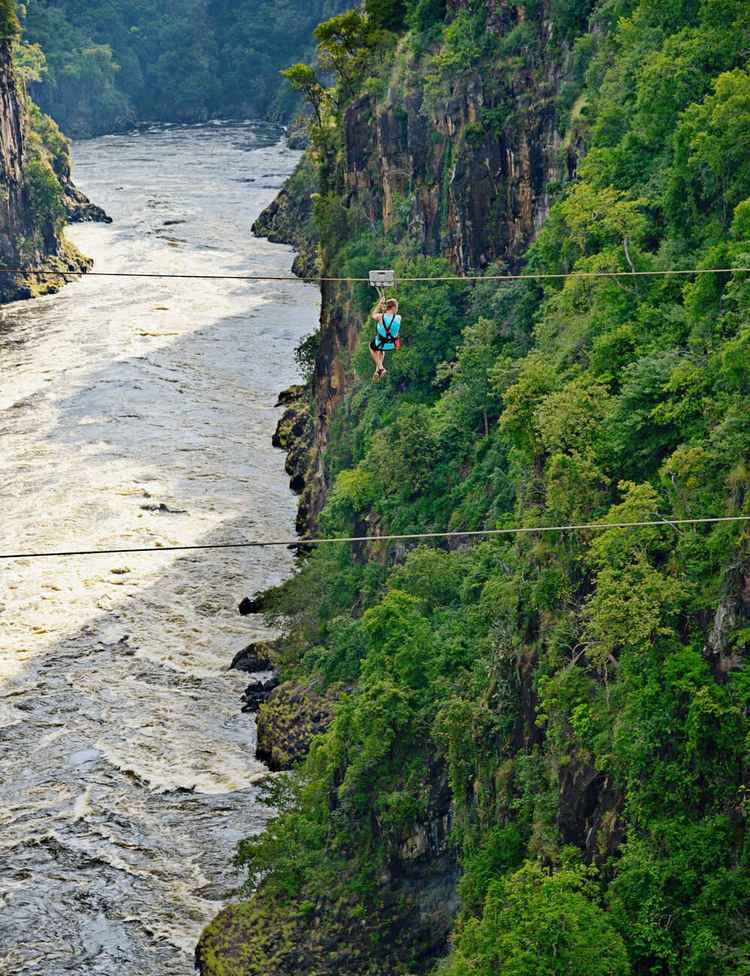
{"x": 461, "y": 167}
{"x": 37, "y": 195}
{"x": 532, "y": 758}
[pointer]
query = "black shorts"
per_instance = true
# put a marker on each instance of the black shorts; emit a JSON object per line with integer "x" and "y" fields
{"x": 375, "y": 347}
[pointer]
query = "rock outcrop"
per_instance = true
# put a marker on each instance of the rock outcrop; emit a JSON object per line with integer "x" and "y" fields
{"x": 36, "y": 194}
{"x": 287, "y": 722}
{"x": 254, "y": 658}
{"x": 294, "y": 436}
{"x": 417, "y": 904}
{"x": 289, "y": 219}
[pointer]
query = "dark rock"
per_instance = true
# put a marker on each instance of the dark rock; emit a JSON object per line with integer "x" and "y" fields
{"x": 289, "y": 218}
{"x": 297, "y": 484}
{"x": 417, "y": 900}
{"x": 589, "y": 811}
{"x": 254, "y": 605}
{"x": 255, "y": 657}
{"x": 257, "y": 692}
{"x": 731, "y": 615}
{"x": 78, "y": 207}
{"x": 292, "y": 427}
{"x": 161, "y": 507}
{"x": 291, "y": 395}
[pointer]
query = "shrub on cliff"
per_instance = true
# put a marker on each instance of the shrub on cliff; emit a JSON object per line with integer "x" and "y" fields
{"x": 44, "y": 195}
{"x": 425, "y": 14}
{"x": 540, "y": 923}
{"x": 8, "y": 20}
{"x": 386, "y": 14}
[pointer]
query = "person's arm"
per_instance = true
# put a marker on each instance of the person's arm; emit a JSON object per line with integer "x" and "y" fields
{"x": 377, "y": 312}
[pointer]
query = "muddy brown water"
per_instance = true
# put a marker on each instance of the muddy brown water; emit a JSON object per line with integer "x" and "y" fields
{"x": 127, "y": 772}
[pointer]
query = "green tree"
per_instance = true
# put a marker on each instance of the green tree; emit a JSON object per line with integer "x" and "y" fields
{"x": 425, "y": 14}
{"x": 8, "y": 20}
{"x": 304, "y": 80}
{"x": 345, "y": 44}
{"x": 386, "y": 14}
{"x": 711, "y": 175}
{"x": 540, "y": 923}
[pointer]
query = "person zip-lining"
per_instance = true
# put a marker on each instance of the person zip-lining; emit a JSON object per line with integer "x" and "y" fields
{"x": 386, "y": 315}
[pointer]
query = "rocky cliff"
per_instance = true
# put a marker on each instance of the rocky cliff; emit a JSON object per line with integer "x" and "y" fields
{"x": 37, "y": 195}
{"x": 460, "y": 171}
{"x": 460, "y": 165}
{"x": 569, "y": 708}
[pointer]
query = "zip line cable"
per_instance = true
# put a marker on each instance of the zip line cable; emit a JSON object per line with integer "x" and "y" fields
{"x": 484, "y": 533}
{"x": 533, "y": 276}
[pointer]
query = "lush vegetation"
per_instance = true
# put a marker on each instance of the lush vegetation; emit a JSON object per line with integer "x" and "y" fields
{"x": 112, "y": 62}
{"x": 46, "y": 161}
{"x": 586, "y": 692}
{"x": 8, "y": 20}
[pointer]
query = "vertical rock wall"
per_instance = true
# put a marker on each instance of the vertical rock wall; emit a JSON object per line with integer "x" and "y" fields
{"x": 29, "y": 237}
{"x": 13, "y": 205}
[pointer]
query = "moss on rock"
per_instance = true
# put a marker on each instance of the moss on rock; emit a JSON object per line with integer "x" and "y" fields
{"x": 287, "y": 723}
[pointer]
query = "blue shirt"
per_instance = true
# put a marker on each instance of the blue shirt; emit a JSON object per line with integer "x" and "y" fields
{"x": 394, "y": 324}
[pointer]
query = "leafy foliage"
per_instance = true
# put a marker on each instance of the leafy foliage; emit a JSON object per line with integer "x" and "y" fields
{"x": 8, "y": 20}
{"x": 585, "y": 690}
{"x": 110, "y": 62}
{"x": 538, "y": 923}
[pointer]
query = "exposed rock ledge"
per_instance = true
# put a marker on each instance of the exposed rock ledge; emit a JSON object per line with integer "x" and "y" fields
{"x": 294, "y": 434}
{"x": 410, "y": 917}
{"x": 289, "y": 219}
{"x": 59, "y": 269}
{"x": 288, "y": 720}
{"x": 80, "y": 209}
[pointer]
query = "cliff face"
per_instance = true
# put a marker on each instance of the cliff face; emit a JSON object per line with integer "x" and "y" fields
{"x": 460, "y": 169}
{"x": 476, "y": 196}
{"x": 440, "y": 173}
{"x": 36, "y": 194}
{"x": 14, "y": 211}
{"x": 569, "y": 706}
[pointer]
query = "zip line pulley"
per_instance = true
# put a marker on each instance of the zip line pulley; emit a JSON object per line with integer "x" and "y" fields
{"x": 380, "y": 280}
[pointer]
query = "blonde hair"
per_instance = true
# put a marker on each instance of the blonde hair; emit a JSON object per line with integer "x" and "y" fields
{"x": 391, "y": 303}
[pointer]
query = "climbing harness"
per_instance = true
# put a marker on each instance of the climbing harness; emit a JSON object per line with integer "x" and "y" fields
{"x": 381, "y": 340}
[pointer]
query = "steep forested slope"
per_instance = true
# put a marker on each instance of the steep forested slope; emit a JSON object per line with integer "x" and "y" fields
{"x": 538, "y": 762}
{"x": 36, "y": 192}
{"x": 112, "y": 62}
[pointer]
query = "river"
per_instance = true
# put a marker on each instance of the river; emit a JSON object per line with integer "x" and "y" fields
{"x": 139, "y": 413}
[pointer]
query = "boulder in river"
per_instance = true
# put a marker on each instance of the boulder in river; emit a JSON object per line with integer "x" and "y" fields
{"x": 258, "y": 692}
{"x": 253, "y": 658}
{"x": 254, "y": 604}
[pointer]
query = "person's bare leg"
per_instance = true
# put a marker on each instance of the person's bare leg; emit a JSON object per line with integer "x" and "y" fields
{"x": 381, "y": 364}
{"x": 376, "y": 358}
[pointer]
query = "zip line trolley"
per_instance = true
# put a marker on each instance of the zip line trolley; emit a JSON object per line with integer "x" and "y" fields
{"x": 380, "y": 280}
